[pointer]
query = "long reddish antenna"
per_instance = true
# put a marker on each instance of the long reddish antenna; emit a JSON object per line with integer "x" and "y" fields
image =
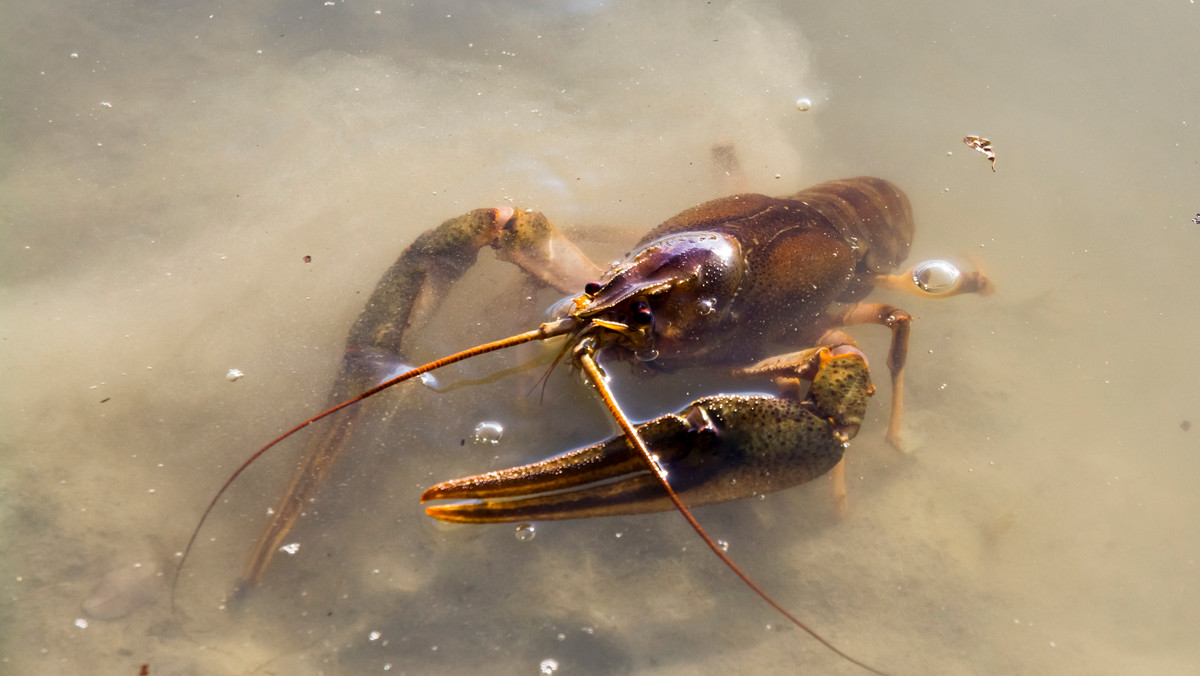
{"x": 588, "y": 363}
{"x": 547, "y": 330}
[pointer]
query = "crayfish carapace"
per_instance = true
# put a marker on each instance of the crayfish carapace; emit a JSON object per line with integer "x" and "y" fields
{"x": 719, "y": 284}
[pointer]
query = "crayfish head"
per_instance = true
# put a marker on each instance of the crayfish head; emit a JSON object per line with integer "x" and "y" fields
{"x": 666, "y": 300}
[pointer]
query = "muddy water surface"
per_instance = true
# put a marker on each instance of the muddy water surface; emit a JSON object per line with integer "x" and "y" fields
{"x": 166, "y": 169}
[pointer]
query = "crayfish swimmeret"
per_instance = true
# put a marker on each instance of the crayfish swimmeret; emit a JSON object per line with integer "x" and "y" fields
{"x": 717, "y": 285}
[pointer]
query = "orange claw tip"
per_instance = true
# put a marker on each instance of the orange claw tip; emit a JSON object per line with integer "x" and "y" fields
{"x": 503, "y": 214}
{"x": 441, "y": 491}
{"x": 457, "y": 514}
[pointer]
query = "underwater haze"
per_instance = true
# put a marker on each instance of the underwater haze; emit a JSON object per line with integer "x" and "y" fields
{"x": 197, "y": 198}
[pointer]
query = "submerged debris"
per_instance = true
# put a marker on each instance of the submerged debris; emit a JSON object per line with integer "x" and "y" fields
{"x": 982, "y": 145}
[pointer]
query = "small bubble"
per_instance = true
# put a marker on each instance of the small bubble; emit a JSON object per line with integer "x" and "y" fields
{"x": 74, "y": 55}
{"x": 560, "y": 636}
{"x": 548, "y": 666}
{"x": 722, "y": 545}
{"x": 291, "y": 549}
{"x": 708, "y": 306}
{"x": 488, "y": 432}
{"x": 374, "y": 636}
{"x": 525, "y": 532}
{"x": 233, "y": 375}
{"x": 803, "y": 104}
{"x": 646, "y": 355}
{"x": 81, "y": 623}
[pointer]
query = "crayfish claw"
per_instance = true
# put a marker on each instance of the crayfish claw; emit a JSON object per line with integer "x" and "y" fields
{"x": 717, "y": 449}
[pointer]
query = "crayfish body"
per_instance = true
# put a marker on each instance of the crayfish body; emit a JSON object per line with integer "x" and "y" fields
{"x": 722, "y": 284}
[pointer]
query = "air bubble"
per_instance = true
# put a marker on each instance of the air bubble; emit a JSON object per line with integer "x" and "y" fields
{"x": 525, "y": 532}
{"x": 803, "y": 104}
{"x": 649, "y": 354}
{"x": 233, "y": 375}
{"x": 722, "y": 545}
{"x": 936, "y": 277}
{"x": 291, "y": 549}
{"x": 708, "y": 306}
{"x": 548, "y": 666}
{"x": 488, "y": 432}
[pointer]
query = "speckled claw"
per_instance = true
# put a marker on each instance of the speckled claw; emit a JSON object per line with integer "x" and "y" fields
{"x": 719, "y": 448}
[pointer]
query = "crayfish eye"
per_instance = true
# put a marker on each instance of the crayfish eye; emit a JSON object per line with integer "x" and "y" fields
{"x": 640, "y": 314}
{"x": 591, "y": 288}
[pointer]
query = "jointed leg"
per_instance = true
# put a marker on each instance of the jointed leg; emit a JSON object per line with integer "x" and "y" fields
{"x": 406, "y": 296}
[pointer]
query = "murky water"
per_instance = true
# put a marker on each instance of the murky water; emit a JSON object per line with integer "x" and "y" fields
{"x": 167, "y": 169}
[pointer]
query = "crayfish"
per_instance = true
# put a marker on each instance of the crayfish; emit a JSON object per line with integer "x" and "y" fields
{"x": 721, "y": 284}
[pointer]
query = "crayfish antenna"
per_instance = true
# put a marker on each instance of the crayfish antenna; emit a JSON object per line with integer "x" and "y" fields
{"x": 584, "y": 355}
{"x": 543, "y": 332}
